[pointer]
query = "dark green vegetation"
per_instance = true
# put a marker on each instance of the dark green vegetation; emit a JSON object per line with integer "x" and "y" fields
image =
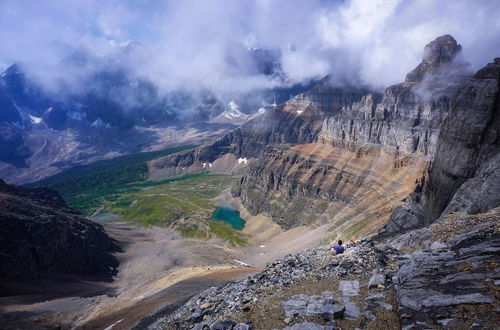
{"x": 119, "y": 186}
{"x": 163, "y": 202}
{"x": 85, "y": 188}
{"x": 230, "y": 216}
{"x": 126, "y": 160}
{"x": 185, "y": 203}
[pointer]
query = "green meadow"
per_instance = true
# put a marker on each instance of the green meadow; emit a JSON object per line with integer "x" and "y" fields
{"x": 121, "y": 187}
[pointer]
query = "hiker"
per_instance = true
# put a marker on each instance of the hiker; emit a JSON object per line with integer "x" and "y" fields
{"x": 337, "y": 249}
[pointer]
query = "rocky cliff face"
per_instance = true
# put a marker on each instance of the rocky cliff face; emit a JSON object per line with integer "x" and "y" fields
{"x": 408, "y": 118}
{"x": 349, "y": 157}
{"x": 465, "y": 174}
{"x": 369, "y": 155}
{"x": 350, "y": 190}
{"x": 39, "y": 233}
{"x": 296, "y": 121}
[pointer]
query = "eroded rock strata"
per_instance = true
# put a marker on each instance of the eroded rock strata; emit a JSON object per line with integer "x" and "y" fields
{"x": 40, "y": 234}
{"x": 367, "y": 157}
{"x": 294, "y": 122}
{"x": 465, "y": 173}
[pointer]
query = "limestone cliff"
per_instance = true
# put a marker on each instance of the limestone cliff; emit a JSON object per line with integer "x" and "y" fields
{"x": 349, "y": 157}
{"x": 369, "y": 155}
{"x": 465, "y": 174}
{"x": 296, "y": 121}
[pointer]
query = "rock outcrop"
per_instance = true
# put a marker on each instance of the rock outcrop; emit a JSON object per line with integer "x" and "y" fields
{"x": 441, "y": 56}
{"x": 368, "y": 156}
{"x": 465, "y": 173}
{"x": 40, "y": 234}
{"x": 442, "y": 276}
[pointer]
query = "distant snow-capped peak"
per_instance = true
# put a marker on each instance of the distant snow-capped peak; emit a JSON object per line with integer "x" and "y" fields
{"x": 35, "y": 120}
{"x": 98, "y": 123}
{"x": 233, "y": 111}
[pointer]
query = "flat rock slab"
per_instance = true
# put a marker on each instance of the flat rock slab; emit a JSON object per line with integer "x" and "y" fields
{"x": 349, "y": 288}
{"x": 318, "y": 306}
{"x": 378, "y": 299}
{"x": 308, "y": 326}
{"x": 352, "y": 311}
{"x": 433, "y": 285}
{"x": 376, "y": 280}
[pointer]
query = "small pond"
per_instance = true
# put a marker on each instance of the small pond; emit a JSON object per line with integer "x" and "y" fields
{"x": 230, "y": 216}
{"x": 104, "y": 217}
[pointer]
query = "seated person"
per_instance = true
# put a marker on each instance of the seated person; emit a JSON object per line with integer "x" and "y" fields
{"x": 337, "y": 249}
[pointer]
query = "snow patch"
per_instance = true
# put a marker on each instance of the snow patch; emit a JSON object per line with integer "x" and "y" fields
{"x": 209, "y": 165}
{"x": 112, "y": 325}
{"x": 35, "y": 120}
{"x": 242, "y": 263}
{"x": 242, "y": 160}
{"x": 300, "y": 111}
{"x": 233, "y": 112}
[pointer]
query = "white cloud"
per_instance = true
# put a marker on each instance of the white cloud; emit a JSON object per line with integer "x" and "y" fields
{"x": 375, "y": 41}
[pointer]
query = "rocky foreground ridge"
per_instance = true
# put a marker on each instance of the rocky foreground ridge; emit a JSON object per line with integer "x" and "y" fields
{"x": 443, "y": 276}
{"x": 40, "y": 234}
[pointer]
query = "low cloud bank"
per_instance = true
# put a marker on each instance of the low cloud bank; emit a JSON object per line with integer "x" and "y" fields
{"x": 213, "y": 45}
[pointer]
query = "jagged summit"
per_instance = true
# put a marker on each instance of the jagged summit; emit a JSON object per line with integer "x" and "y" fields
{"x": 441, "y": 55}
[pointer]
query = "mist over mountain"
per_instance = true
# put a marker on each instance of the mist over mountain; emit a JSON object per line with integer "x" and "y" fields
{"x": 250, "y": 164}
{"x": 192, "y": 45}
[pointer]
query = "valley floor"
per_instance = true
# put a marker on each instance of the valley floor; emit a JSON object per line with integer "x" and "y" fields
{"x": 159, "y": 270}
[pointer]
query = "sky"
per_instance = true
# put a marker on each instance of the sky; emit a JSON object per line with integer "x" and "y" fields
{"x": 373, "y": 42}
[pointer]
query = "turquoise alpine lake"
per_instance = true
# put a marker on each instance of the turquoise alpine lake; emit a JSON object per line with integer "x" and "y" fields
{"x": 230, "y": 216}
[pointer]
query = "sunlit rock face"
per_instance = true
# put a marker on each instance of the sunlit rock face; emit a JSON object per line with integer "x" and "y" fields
{"x": 465, "y": 174}
{"x": 369, "y": 155}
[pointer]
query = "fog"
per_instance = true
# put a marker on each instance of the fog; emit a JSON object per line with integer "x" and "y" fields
{"x": 195, "y": 45}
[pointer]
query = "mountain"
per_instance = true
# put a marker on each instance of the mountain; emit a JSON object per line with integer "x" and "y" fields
{"x": 296, "y": 121}
{"x": 347, "y": 157}
{"x": 465, "y": 172}
{"x": 416, "y": 170}
{"x": 40, "y": 234}
{"x": 106, "y": 106}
